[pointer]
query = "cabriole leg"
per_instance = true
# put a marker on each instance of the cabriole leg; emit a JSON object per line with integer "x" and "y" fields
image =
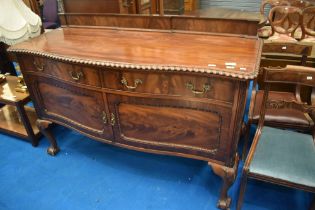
{"x": 43, "y": 126}
{"x": 228, "y": 176}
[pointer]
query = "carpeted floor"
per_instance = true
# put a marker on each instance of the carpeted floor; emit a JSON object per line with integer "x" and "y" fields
{"x": 90, "y": 175}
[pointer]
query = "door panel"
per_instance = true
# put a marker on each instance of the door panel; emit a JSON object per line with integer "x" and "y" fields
{"x": 170, "y": 125}
{"x": 79, "y": 108}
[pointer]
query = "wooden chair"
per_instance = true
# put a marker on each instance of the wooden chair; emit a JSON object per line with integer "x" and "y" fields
{"x": 279, "y": 118}
{"x": 279, "y": 156}
{"x": 308, "y": 25}
{"x": 284, "y": 21}
{"x": 266, "y": 31}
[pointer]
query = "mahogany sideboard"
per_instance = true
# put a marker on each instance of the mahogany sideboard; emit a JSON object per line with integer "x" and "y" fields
{"x": 145, "y": 90}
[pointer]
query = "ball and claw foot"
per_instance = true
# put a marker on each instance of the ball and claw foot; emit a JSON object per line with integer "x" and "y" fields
{"x": 43, "y": 125}
{"x": 53, "y": 150}
{"x": 228, "y": 176}
{"x": 224, "y": 204}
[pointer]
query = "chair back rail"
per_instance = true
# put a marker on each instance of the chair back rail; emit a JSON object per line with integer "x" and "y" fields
{"x": 297, "y": 75}
{"x": 298, "y": 49}
{"x": 277, "y": 18}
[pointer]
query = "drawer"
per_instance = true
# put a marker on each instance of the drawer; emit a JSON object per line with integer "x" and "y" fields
{"x": 174, "y": 84}
{"x": 64, "y": 71}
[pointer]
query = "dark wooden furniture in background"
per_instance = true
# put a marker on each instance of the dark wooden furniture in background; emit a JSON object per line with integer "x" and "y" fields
{"x": 33, "y": 5}
{"x": 191, "y": 5}
{"x": 15, "y": 118}
{"x": 174, "y": 7}
{"x": 279, "y": 156}
{"x": 134, "y": 89}
{"x": 6, "y": 66}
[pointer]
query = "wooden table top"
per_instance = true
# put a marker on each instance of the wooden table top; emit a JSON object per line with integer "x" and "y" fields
{"x": 158, "y": 50}
{"x": 8, "y": 95}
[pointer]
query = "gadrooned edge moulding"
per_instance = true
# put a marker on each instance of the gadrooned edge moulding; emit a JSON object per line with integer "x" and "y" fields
{"x": 158, "y": 67}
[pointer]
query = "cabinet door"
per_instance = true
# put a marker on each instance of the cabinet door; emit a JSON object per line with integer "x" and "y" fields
{"x": 73, "y": 106}
{"x": 178, "y": 127}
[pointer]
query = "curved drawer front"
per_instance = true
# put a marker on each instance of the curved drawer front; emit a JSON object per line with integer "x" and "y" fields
{"x": 64, "y": 71}
{"x": 170, "y": 84}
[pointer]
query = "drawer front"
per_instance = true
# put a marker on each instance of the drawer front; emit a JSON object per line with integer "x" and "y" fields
{"x": 76, "y": 107}
{"x": 202, "y": 87}
{"x": 64, "y": 71}
{"x": 170, "y": 84}
{"x": 177, "y": 126}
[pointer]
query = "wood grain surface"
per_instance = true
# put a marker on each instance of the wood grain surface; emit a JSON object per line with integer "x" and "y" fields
{"x": 150, "y": 48}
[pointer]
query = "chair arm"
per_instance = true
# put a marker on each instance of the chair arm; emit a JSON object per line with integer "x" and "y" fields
{"x": 298, "y": 93}
{"x": 253, "y": 147}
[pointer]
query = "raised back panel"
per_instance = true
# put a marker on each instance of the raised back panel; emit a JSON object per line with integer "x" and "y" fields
{"x": 91, "y": 6}
{"x": 184, "y": 23}
{"x": 114, "y": 20}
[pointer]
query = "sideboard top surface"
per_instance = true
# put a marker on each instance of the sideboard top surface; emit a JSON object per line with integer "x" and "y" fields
{"x": 233, "y": 56}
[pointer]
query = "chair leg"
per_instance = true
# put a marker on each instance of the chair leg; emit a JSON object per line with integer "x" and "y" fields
{"x": 228, "y": 176}
{"x": 246, "y": 140}
{"x": 242, "y": 190}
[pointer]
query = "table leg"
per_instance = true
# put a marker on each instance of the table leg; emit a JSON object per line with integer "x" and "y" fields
{"x": 228, "y": 176}
{"x": 43, "y": 126}
{"x": 29, "y": 130}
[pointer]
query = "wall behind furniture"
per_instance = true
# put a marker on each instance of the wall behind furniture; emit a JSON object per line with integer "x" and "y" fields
{"x": 247, "y": 5}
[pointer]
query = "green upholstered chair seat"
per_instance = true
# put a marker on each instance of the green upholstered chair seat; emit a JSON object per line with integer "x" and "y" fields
{"x": 285, "y": 155}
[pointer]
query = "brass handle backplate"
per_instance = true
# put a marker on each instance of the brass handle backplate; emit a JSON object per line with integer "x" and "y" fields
{"x": 39, "y": 67}
{"x": 76, "y": 76}
{"x": 104, "y": 117}
{"x": 112, "y": 119}
{"x": 136, "y": 83}
{"x": 190, "y": 86}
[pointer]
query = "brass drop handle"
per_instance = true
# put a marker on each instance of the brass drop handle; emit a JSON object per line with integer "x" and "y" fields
{"x": 136, "y": 83}
{"x": 39, "y": 67}
{"x": 104, "y": 117}
{"x": 76, "y": 76}
{"x": 190, "y": 86}
{"x": 112, "y": 119}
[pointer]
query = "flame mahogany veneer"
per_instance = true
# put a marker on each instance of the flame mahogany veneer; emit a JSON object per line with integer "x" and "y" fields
{"x": 145, "y": 90}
